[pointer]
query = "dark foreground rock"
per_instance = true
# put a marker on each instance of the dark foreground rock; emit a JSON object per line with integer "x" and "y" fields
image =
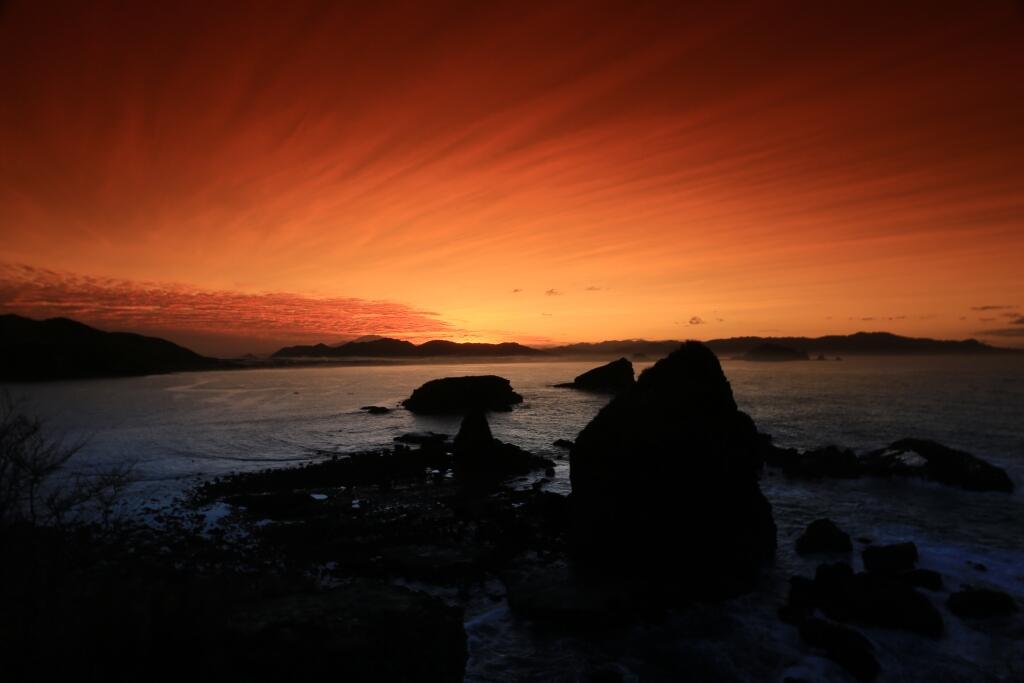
{"x": 823, "y": 536}
{"x": 664, "y": 482}
{"x": 842, "y": 644}
{"x": 612, "y": 378}
{"x": 460, "y": 395}
{"x": 981, "y": 603}
{"x": 364, "y": 631}
{"x": 867, "y": 598}
{"x": 376, "y": 410}
{"x": 931, "y": 460}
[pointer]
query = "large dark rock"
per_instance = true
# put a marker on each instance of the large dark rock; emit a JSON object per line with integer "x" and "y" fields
{"x": 462, "y": 395}
{"x": 981, "y": 603}
{"x": 613, "y": 378}
{"x": 823, "y": 536}
{"x": 931, "y": 460}
{"x": 890, "y": 559}
{"x": 664, "y": 481}
{"x": 847, "y": 647}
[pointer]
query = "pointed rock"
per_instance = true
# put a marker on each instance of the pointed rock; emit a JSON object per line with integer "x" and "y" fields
{"x": 664, "y": 481}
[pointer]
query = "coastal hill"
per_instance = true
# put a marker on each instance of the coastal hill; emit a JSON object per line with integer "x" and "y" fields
{"x": 59, "y": 348}
{"x": 396, "y": 348}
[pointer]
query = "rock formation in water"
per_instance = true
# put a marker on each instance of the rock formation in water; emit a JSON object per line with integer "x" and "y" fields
{"x": 477, "y": 454}
{"x": 461, "y": 395}
{"x": 664, "y": 481}
{"x": 612, "y": 378}
{"x": 904, "y": 458}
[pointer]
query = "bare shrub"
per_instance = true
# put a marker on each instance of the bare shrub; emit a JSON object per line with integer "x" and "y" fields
{"x": 34, "y": 486}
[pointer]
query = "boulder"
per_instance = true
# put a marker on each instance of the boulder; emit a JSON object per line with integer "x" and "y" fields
{"x": 562, "y": 443}
{"x": 890, "y": 559}
{"x": 981, "y": 603}
{"x": 875, "y": 600}
{"x": 612, "y": 378}
{"x": 664, "y": 481}
{"x": 455, "y": 395}
{"x": 922, "y": 578}
{"x": 823, "y": 536}
{"x": 842, "y": 644}
{"x": 931, "y": 460}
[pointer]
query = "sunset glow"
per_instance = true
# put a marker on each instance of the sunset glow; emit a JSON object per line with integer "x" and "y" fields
{"x": 236, "y": 177}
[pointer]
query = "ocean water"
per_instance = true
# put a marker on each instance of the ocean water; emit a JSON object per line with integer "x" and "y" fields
{"x": 178, "y": 429}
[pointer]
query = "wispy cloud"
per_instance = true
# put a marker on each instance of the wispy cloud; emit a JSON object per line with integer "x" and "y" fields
{"x": 552, "y": 292}
{"x": 696, "y": 320}
{"x": 991, "y": 307}
{"x": 174, "y": 308}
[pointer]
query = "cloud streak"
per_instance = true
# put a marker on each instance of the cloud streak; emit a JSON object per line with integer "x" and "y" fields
{"x": 176, "y": 310}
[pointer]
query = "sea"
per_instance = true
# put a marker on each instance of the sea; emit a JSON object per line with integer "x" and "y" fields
{"x": 180, "y": 429}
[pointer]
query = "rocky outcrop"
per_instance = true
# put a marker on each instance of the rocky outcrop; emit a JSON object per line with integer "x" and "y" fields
{"x": 477, "y": 454}
{"x": 664, "y": 481}
{"x": 931, "y": 460}
{"x": 823, "y": 536}
{"x": 612, "y": 378}
{"x": 904, "y": 458}
{"x": 455, "y": 395}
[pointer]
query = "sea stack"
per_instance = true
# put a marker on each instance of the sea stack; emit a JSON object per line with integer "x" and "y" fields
{"x": 665, "y": 481}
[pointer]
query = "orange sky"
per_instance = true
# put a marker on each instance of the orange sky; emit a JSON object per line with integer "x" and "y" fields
{"x": 240, "y": 175}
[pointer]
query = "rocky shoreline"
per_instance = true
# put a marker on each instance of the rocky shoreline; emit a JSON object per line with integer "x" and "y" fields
{"x": 365, "y": 566}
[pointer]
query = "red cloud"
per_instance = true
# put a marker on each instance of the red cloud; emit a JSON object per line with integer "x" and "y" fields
{"x": 220, "y": 321}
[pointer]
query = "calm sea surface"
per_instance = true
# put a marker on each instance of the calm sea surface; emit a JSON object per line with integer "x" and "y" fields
{"x": 180, "y": 428}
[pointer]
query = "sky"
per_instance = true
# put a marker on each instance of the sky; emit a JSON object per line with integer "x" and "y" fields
{"x": 236, "y": 176}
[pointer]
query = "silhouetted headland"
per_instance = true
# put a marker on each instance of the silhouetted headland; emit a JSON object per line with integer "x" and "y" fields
{"x": 59, "y": 348}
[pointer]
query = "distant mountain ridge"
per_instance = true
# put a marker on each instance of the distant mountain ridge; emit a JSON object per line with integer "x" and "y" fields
{"x": 859, "y": 343}
{"x": 60, "y": 348}
{"x": 397, "y": 348}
